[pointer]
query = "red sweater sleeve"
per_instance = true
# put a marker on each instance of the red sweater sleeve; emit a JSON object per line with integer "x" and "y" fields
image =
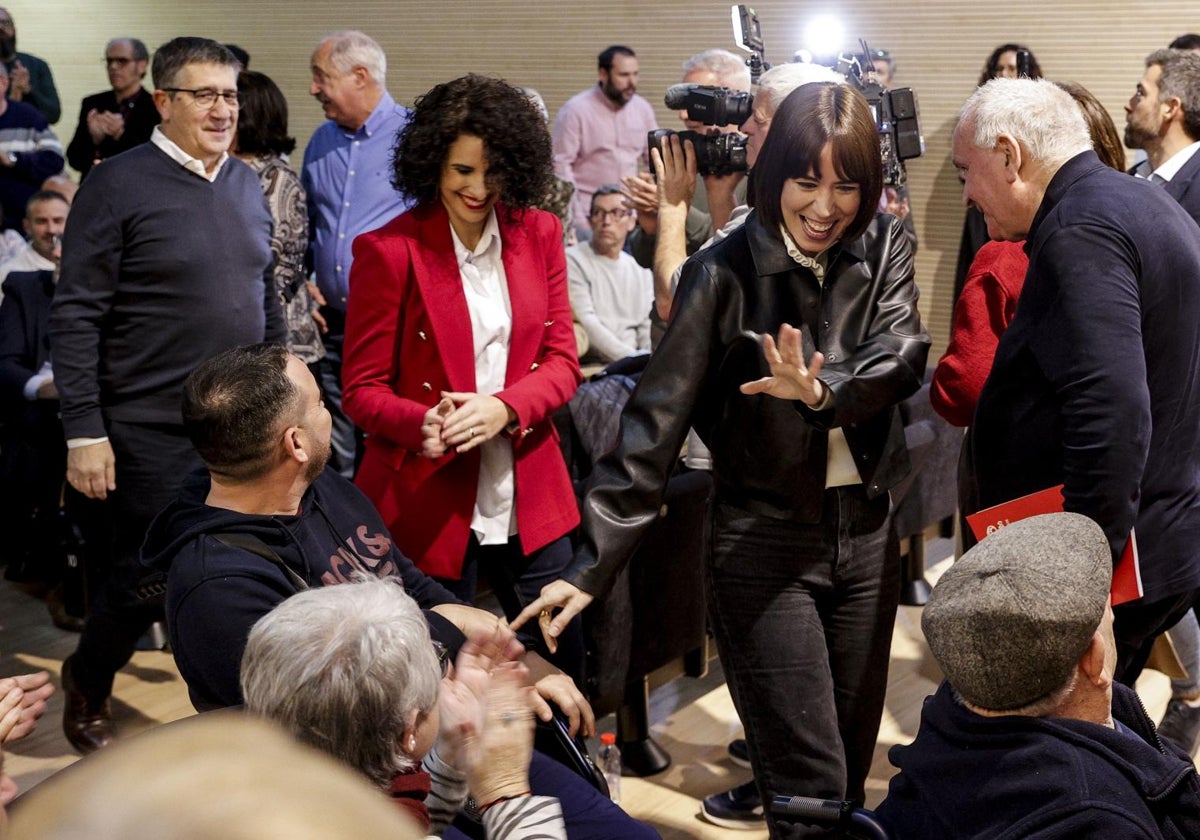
{"x": 984, "y": 310}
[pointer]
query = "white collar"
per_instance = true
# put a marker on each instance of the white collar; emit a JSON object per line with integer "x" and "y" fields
{"x": 1176, "y": 162}
{"x": 489, "y": 237}
{"x": 191, "y": 164}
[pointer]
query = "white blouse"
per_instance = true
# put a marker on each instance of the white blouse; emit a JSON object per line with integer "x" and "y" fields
{"x": 486, "y": 288}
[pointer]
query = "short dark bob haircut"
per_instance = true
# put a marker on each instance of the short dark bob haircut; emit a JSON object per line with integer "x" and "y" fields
{"x": 262, "y": 116}
{"x": 993, "y": 63}
{"x": 811, "y": 116}
{"x": 513, "y": 132}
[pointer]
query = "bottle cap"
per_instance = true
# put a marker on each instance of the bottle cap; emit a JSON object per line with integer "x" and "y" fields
{"x": 608, "y": 738}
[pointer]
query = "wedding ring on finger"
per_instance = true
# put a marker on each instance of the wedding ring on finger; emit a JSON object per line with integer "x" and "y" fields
{"x": 471, "y": 432}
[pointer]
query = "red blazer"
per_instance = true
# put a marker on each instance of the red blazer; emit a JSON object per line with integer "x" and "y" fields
{"x": 408, "y": 338}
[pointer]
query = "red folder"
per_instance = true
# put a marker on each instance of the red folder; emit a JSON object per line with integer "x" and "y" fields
{"x": 1127, "y": 576}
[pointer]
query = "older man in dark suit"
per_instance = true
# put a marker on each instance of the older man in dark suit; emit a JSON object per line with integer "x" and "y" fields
{"x": 1163, "y": 118}
{"x": 1096, "y": 383}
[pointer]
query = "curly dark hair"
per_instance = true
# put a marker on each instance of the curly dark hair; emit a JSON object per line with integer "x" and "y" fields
{"x": 993, "y": 63}
{"x": 513, "y": 132}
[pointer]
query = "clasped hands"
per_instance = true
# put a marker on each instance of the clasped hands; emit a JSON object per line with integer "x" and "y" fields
{"x": 492, "y": 645}
{"x": 101, "y": 124}
{"x": 462, "y": 421}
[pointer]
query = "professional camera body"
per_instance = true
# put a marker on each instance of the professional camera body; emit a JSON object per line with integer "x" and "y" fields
{"x": 716, "y": 154}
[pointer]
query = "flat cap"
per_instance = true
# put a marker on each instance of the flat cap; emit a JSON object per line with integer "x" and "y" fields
{"x": 1010, "y": 619}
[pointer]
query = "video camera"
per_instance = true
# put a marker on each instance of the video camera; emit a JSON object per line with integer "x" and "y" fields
{"x": 718, "y": 154}
{"x": 895, "y": 113}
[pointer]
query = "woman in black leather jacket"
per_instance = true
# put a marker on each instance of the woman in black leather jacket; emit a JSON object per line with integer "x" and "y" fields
{"x": 802, "y": 565}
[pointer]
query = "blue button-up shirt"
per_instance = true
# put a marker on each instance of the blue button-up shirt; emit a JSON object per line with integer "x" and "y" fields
{"x": 348, "y": 178}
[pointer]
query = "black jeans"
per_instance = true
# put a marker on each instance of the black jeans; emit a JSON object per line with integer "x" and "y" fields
{"x": 517, "y": 579}
{"x": 803, "y": 617}
{"x": 152, "y": 461}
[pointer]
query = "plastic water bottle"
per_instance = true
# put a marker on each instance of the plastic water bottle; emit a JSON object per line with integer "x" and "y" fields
{"x": 610, "y": 764}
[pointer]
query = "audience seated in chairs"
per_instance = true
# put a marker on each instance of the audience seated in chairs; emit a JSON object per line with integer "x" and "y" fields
{"x": 219, "y": 776}
{"x": 351, "y": 670}
{"x": 33, "y": 455}
{"x": 268, "y": 520}
{"x": 1030, "y": 735}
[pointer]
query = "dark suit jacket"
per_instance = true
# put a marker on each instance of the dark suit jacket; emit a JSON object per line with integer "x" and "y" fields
{"x": 24, "y": 334}
{"x": 83, "y": 154}
{"x": 408, "y": 338}
{"x": 1096, "y": 383}
{"x": 1185, "y": 187}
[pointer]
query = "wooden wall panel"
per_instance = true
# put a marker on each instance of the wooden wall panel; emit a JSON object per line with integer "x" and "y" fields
{"x": 939, "y": 46}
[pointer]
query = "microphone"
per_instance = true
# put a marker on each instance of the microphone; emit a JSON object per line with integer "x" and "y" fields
{"x": 677, "y": 96}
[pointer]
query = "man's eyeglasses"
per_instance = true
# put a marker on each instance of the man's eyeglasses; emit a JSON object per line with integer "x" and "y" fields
{"x": 443, "y": 656}
{"x": 120, "y": 61}
{"x": 615, "y": 215}
{"x": 206, "y": 98}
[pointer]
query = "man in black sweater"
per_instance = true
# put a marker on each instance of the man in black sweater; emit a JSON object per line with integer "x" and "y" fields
{"x": 166, "y": 264}
{"x": 115, "y": 120}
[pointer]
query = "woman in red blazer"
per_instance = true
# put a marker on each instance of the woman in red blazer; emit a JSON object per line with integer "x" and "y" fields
{"x": 459, "y": 348}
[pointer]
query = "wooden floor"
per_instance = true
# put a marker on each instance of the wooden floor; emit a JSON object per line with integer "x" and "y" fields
{"x": 693, "y": 719}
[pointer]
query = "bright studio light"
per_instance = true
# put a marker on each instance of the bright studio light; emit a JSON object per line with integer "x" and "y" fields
{"x": 823, "y": 36}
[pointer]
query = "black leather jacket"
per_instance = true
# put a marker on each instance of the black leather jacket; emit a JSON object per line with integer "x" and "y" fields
{"x": 769, "y": 455}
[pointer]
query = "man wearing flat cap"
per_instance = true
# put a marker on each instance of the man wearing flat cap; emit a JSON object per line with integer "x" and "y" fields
{"x": 1029, "y": 736}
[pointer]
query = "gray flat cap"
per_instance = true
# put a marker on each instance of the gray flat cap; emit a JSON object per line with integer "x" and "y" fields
{"x": 1009, "y": 620}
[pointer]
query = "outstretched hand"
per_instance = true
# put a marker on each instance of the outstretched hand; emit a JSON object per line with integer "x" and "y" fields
{"x": 791, "y": 378}
{"x": 571, "y": 601}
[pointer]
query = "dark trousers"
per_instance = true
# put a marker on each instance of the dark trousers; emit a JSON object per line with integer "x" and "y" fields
{"x": 803, "y": 617}
{"x": 151, "y": 461}
{"x": 1137, "y": 624}
{"x": 517, "y": 580}
{"x": 328, "y": 372}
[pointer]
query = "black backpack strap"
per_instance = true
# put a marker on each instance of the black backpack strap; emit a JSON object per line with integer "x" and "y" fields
{"x": 251, "y": 543}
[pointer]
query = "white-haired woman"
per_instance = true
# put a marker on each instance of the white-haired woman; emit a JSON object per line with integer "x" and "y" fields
{"x": 351, "y": 670}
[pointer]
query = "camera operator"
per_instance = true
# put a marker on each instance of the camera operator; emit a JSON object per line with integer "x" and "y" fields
{"x": 894, "y": 199}
{"x": 715, "y": 196}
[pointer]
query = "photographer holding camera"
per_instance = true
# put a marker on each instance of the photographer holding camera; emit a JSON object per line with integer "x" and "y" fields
{"x": 715, "y": 193}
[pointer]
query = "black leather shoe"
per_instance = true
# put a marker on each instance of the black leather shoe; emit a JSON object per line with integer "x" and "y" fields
{"x": 88, "y": 726}
{"x": 59, "y": 614}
